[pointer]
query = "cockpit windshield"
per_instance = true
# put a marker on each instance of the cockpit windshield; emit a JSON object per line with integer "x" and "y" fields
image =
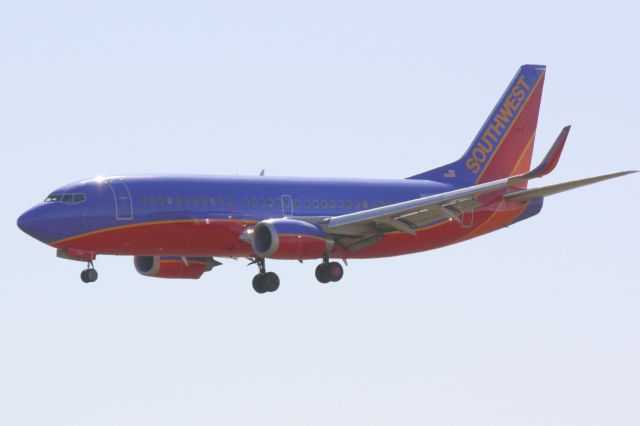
{"x": 66, "y": 198}
{"x": 53, "y": 197}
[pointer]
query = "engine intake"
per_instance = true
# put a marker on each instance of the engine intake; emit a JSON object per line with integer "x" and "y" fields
{"x": 173, "y": 266}
{"x": 289, "y": 239}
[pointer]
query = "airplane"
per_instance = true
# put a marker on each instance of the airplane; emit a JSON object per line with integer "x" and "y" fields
{"x": 175, "y": 226}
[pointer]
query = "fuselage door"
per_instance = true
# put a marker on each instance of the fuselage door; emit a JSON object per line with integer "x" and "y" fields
{"x": 124, "y": 206}
{"x": 466, "y": 219}
{"x": 287, "y": 206}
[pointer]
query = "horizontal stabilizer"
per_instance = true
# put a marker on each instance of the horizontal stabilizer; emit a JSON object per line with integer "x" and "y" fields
{"x": 531, "y": 194}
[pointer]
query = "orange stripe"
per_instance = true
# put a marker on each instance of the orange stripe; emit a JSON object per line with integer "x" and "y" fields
{"x": 190, "y": 262}
{"x": 490, "y": 218}
{"x": 524, "y": 152}
{"x": 136, "y": 225}
{"x": 486, "y": 167}
{"x": 304, "y": 235}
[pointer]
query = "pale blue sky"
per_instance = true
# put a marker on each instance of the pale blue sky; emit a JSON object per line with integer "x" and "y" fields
{"x": 536, "y": 324}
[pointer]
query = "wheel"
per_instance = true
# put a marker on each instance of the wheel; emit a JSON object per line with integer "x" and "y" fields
{"x": 92, "y": 275}
{"x": 335, "y": 271}
{"x": 259, "y": 284}
{"x": 272, "y": 281}
{"x": 322, "y": 273}
{"x": 83, "y": 276}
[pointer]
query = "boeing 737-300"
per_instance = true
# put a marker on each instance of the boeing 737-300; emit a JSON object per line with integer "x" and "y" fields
{"x": 174, "y": 226}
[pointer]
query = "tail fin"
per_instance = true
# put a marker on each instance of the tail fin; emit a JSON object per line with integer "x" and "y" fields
{"x": 504, "y": 145}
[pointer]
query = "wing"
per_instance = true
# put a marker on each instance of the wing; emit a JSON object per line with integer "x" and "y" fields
{"x": 530, "y": 194}
{"x": 361, "y": 229}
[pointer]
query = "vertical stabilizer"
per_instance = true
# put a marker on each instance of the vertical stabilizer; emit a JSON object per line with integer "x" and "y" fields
{"x": 504, "y": 145}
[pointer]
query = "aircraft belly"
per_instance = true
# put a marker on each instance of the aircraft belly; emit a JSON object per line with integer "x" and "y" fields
{"x": 171, "y": 238}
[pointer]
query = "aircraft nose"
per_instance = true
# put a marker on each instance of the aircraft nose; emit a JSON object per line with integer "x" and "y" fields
{"x": 31, "y": 222}
{"x": 25, "y": 221}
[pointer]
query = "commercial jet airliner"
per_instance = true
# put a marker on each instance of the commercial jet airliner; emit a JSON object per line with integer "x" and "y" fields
{"x": 175, "y": 226}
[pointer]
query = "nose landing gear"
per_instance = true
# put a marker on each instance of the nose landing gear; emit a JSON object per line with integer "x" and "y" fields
{"x": 89, "y": 275}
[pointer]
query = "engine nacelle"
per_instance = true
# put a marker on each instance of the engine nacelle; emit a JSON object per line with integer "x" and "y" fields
{"x": 173, "y": 266}
{"x": 289, "y": 239}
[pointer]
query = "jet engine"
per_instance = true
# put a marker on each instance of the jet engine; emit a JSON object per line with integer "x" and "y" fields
{"x": 289, "y": 239}
{"x": 173, "y": 266}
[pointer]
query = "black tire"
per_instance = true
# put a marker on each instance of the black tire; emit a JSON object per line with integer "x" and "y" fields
{"x": 92, "y": 275}
{"x": 272, "y": 281}
{"x": 84, "y": 277}
{"x": 259, "y": 284}
{"x": 322, "y": 273}
{"x": 335, "y": 271}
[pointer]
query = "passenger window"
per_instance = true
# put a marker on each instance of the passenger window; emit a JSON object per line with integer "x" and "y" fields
{"x": 203, "y": 201}
{"x": 221, "y": 202}
{"x": 365, "y": 204}
{"x": 261, "y": 202}
{"x": 196, "y": 201}
{"x": 254, "y": 203}
{"x": 278, "y": 202}
{"x": 152, "y": 201}
{"x": 186, "y": 201}
{"x": 307, "y": 204}
{"x": 178, "y": 201}
{"x": 341, "y": 204}
{"x": 296, "y": 203}
{"x": 143, "y": 201}
{"x": 324, "y": 204}
{"x": 349, "y": 204}
{"x": 212, "y": 201}
{"x": 161, "y": 201}
{"x": 270, "y": 202}
{"x": 229, "y": 202}
{"x": 315, "y": 204}
{"x": 356, "y": 205}
{"x": 333, "y": 204}
{"x": 169, "y": 201}
{"x": 245, "y": 202}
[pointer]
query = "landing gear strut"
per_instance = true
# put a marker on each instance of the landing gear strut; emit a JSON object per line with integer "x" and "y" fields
{"x": 265, "y": 281}
{"x": 89, "y": 275}
{"x": 329, "y": 271}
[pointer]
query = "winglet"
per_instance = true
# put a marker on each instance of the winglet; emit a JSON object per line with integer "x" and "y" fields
{"x": 553, "y": 156}
{"x": 549, "y": 162}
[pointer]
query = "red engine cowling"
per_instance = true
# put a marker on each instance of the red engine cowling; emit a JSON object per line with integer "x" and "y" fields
{"x": 289, "y": 239}
{"x": 173, "y": 266}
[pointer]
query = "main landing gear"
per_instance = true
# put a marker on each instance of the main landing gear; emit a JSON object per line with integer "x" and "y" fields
{"x": 329, "y": 271}
{"x": 89, "y": 275}
{"x": 268, "y": 282}
{"x": 265, "y": 281}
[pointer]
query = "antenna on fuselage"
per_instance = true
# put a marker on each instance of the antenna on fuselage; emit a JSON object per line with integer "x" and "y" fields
{"x": 262, "y": 172}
